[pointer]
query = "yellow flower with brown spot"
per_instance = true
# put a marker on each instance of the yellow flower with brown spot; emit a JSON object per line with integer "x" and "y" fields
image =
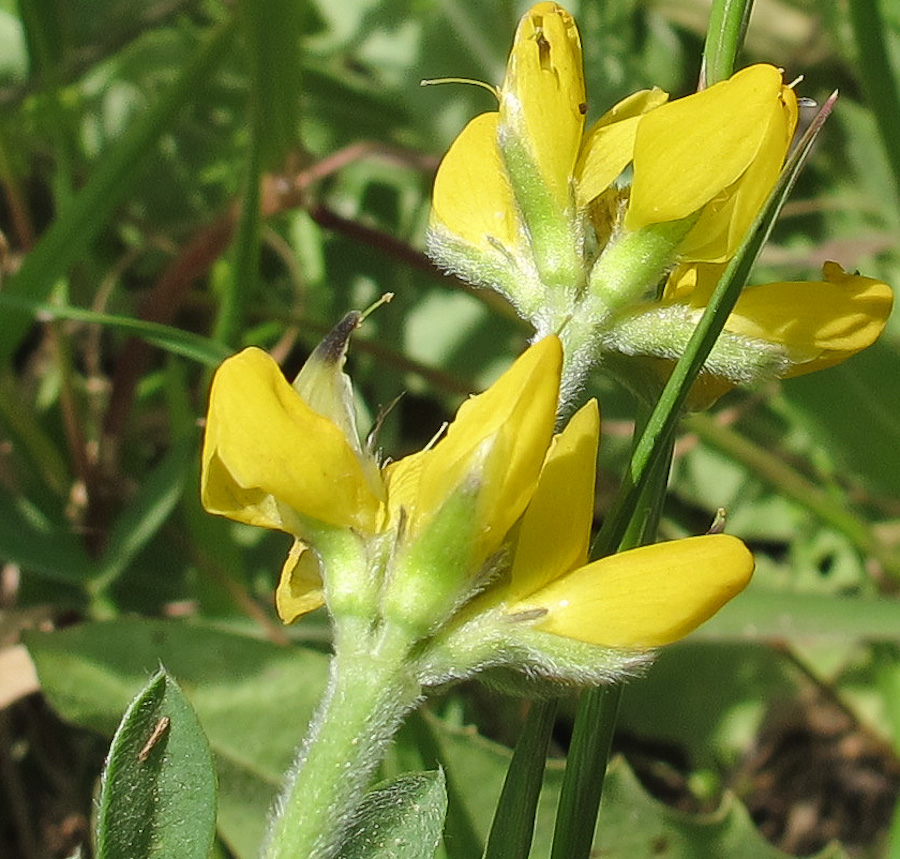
{"x": 515, "y": 196}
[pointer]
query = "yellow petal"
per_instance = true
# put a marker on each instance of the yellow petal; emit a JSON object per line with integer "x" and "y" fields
{"x": 542, "y": 99}
{"x": 723, "y": 223}
{"x": 693, "y": 283}
{"x": 300, "y": 589}
{"x": 266, "y": 453}
{"x": 472, "y": 196}
{"x": 646, "y": 597}
{"x": 556, "y": 528}
{"x": 818, "y": 323}
{"x": 608, "y": 146}
{"x": 499, "y": 440}
{"x": 690, "y": 150}
{"x": 401, "y": 481}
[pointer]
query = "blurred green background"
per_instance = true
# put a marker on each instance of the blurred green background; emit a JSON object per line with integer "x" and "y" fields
{"x": 180, "y": 178}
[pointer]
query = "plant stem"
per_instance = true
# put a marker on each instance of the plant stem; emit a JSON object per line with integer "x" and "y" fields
{"x": 369, "y": 691}
{"x": 728, "y": 21}
{"x": 595, "y": 724}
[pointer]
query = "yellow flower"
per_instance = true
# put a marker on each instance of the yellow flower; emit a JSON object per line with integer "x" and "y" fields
{"x": 818, "y": 324}
{"x": 635, "y": 600}
{"x": 645, "y": 597}
{"x": 717, "y": 153}
{"x": 267, "y": 456}
{"x": 513, "y": 195}
{"x": 542, "y": 102}
{"x": 270, "y": 460}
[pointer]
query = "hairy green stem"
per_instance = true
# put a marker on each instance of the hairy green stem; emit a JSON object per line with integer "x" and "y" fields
{"x": 369, "y": 692}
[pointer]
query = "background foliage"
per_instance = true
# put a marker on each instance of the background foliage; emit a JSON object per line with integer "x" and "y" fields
{"x": 181, "y": 178}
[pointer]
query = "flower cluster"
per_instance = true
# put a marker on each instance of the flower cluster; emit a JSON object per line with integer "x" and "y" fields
{"x": 475, "y": 548}
{"x": 528, "y": 202}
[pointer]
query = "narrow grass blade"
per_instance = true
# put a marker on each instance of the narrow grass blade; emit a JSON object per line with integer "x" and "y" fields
{"x": 92, "y": 207}
{"x": 512, "y": 829}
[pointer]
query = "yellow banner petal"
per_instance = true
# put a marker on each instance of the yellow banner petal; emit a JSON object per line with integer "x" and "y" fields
{"x": 265, "y": 447}
{"x": 690, "y": 150}
{"x": 722, "y": 224}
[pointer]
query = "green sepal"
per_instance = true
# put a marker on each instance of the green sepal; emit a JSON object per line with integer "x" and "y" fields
{"x": 633, "y": 263}
{"x": 514, "y": 277}
{"x": 509, "y": 653}
{"x": 555, "y": 235}
{"x": 664, "y": 331}
{"x": 323, "y": 384}
{"x": 434, "y": 572}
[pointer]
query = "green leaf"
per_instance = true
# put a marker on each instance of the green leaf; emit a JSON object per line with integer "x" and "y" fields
{"x": 634, "y": 825}
{"x": 402, "y": 819}
{"x": 253, "y": 698}
{"x": 158, "y": 795}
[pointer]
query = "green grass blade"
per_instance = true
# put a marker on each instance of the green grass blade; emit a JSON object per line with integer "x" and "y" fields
{"x": 174, "y": 340}
{"x": 728, "y": 21}
{"x": 146, "y": 513}
{"x": 879, "y": 79}
{"x": 512, "y": 829}
{"x": 91, "y": 209}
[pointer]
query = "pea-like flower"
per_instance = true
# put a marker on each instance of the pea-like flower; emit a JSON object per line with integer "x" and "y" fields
{"x": 775, "y": 330}
{"x": 561, "y": 616}
{"x": 530, "y": 203}
{"x": 483, "y": 533}
{"x": 516, "y": 195}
